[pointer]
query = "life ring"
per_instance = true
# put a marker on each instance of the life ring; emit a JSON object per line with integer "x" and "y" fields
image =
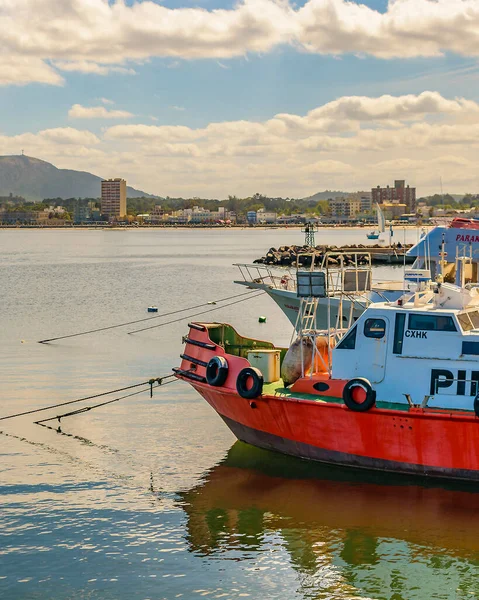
{"x": 358, "y": 395}
{"x": 217, "y": 371}
{"x": 253, "y": 391}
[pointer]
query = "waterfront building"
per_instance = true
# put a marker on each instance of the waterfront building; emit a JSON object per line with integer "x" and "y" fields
{"x": 345, "y": 208}
{"x": 366, "y": 201}
{"x": 393, "y": 210}
{"x": 81, "y": 212}
{"x": 157, "y": 215}
{"x": 399, "y": 194}
{"x": 113, "y": 198}
{"x": 265, "y": 217}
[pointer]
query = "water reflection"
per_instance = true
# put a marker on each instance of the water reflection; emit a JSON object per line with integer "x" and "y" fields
{"x": 345, "y": 534}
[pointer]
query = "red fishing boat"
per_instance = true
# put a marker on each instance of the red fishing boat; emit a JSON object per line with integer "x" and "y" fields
{"x": 397, "y": 391}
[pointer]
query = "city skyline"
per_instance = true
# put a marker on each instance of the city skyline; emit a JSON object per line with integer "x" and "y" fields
{"x": 221, "y": 98}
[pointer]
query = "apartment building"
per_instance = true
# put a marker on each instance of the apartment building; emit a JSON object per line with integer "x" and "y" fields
{"x": 399, "y": 194}
{"x": 345, "y": 208}
{"x": 113, "y": 198}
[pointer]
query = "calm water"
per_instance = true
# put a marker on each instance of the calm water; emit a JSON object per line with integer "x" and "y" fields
{"x": 152, "y": 498}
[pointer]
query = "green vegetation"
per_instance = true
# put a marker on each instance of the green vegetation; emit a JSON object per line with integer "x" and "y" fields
{"x": 240, "y": 206}
{"x": 142, "y": 205}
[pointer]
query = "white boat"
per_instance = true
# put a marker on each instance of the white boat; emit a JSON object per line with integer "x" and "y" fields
{"x": 450, "y": 250}
{"x": 350, "y": 286}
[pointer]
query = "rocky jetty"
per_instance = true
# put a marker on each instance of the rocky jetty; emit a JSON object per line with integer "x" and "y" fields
{"x": 289, "y": 256}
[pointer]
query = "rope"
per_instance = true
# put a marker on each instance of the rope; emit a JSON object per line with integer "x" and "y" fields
{"x": 128, "y": 387}
{"x": 88, "y": 408}
{"x": 174, "y": 312}
{"x": 196, "y": 314}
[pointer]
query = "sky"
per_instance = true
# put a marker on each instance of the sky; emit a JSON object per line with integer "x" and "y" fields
{"x": 210, "y": 98}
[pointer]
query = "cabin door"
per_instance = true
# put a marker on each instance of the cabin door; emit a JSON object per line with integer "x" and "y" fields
{"x": 374, "y": 349}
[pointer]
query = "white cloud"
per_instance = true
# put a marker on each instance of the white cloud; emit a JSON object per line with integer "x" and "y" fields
{"x": 99, "y": 37}
{"x": 407, "y": 29}
{"x": 363, "y": 108}
{"x": 77, "y": 111}
{"x": 88, "y": 67}
{"x": 140, "y": 133}
{"x": 417, "y": 138}
{"x": 20, "y": 70}
{"x": 328, "y": 167}
{"x": 68, "y": 135}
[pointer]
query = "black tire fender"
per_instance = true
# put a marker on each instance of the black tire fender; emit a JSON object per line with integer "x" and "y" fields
{"x": 217, "y": 371}
{"x": 348, "y": 391}
{"x": 241, "y": 383}
{"x": 476, "y": 405}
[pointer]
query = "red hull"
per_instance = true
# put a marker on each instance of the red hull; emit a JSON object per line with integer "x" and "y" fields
{"x": 416, "y": 441}
{"x": 410, "y": 442}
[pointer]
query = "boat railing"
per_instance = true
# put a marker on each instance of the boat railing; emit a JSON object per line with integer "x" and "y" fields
{"x": 348, "y": 273}
{"x": 264, "y": 274}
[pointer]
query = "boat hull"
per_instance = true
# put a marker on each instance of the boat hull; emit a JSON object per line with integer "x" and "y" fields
{"x": 289, "y": 303}
{"x": 431, "y": 444}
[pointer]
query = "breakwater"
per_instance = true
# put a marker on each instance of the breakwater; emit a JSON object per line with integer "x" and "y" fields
{"x": 290, "y": 256}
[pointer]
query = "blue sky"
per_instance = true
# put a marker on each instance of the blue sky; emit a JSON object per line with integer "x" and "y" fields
{"x": 192, "y": 77}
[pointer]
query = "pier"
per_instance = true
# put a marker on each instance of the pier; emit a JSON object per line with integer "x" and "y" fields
{"x": 290, "y": 256}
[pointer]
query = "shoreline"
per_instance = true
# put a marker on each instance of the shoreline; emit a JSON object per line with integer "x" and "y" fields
{"x": 201, "y": 227}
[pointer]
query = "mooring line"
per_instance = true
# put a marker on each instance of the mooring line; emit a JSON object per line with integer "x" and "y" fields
{"x": 203, "y": 312}
{"x": 88, "y": 408}
{"x": 174, "y": 312}
{"x": 149, "y": 382}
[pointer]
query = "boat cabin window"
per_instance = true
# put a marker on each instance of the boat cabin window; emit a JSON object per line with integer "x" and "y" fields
{"x": 469, "y": 320}
{"x": 399, "y": 333}
{"x": 349, "y": 341}
{"x": 374, "y": 328}
{"x": 431, "y": 323}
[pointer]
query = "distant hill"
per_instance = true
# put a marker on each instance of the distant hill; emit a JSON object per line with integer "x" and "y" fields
{"x": 325, "y": 196}
{"x": 35, "y": 179}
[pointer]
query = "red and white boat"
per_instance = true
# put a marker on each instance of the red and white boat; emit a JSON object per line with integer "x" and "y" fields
{"x": 397, "y": 391}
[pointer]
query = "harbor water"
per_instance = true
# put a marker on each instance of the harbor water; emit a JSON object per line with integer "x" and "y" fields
{"x": 152, "y": 498}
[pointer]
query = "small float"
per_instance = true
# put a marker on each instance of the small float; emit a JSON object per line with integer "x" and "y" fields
{"x": 397, "y": 390}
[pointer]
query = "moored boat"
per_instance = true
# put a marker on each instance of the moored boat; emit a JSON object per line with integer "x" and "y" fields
{"x": 451, "y": 250}
{"x": 397, "y": 391}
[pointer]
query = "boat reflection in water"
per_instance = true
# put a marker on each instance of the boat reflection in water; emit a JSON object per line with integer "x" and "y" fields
{"x": 346, "y": 534}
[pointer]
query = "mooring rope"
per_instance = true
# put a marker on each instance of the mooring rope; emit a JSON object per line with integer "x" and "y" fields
{"x": 149, "y": 382}
{"x": 174, "y": 312}
{"x": 88, "y": 408}
{"x": 203, "y": 312}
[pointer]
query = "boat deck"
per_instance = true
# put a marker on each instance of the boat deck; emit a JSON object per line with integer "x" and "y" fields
{"x": 276, "y": 388}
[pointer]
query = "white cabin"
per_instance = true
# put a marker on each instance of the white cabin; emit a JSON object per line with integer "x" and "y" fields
{"x": 422, "y": 348}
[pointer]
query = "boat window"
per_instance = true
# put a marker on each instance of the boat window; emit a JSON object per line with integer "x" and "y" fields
{"x": 474, "y": 316}
{"x": 374, "y": 328}
{"x": 399, "y": 333}
{"x": 465, "y": 322}
{"x": 349, "y": 341}
{"x": 470, "y": 348}
{"x": 469, "y": 320}
{"x": 431, "y": 323}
